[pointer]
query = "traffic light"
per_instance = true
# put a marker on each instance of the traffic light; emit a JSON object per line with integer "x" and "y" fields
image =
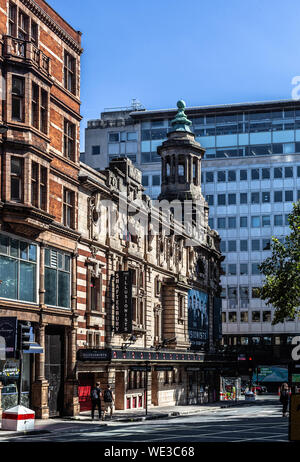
{"x": 25, "y": 335}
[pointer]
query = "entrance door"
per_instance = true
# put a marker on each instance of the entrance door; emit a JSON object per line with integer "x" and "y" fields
{"x": 86, "y": 382}
{"x": 193, "y": 388}
{"x": 54, "y": 344}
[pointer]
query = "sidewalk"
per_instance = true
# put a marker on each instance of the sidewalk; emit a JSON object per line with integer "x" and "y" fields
{"x": 137, "y": 415}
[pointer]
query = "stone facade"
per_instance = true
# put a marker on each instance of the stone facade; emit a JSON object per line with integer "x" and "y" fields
{"x": 40, "y": 71}
{"x": 121, "y": 230}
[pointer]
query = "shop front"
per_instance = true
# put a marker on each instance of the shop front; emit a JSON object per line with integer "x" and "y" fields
{"x": 145, "y": 378}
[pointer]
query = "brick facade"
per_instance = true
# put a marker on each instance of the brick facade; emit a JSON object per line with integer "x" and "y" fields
{"x": 39, "y": 204}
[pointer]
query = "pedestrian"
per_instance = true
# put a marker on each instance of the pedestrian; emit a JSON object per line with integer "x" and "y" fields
{"x": 284, "y": 398}
{"x": 108, "y": 398}
{"x": 96, "y": 394}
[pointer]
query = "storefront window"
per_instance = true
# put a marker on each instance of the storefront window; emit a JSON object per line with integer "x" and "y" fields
{"x": 18, "y": 260}
{"x": 9, "y": 376}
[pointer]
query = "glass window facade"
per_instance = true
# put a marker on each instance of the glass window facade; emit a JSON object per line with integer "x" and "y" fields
{"x": 57, "y": 278}
{"x": 18, "y": 269}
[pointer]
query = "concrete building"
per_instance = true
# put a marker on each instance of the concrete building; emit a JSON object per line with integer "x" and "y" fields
{"x": 161, "y": 350}
{"x": 250, "y": 178}
{"x": 40, "y": 72}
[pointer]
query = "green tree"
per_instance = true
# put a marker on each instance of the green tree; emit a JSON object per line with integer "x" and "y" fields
{"x": 282, "y": 271}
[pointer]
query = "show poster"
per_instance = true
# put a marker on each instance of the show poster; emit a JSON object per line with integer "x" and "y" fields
{"x": 197, "y": 318}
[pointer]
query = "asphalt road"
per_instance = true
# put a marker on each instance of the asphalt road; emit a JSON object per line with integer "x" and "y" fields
{"x": 256, "y": 423}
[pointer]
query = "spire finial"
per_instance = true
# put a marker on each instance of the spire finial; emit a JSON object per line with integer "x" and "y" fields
{"x": 181, "y": 122}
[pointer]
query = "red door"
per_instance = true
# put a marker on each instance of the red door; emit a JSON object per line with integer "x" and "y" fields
{"x": 86, "y": 382}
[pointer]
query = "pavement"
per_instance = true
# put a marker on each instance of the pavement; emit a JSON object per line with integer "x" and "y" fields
{"x": 165, "y": 412}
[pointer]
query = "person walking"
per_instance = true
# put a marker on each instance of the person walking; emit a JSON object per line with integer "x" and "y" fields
{"x": 284, "y": 398}
{"x": 108, "y": 398}
{"x": 96, "y": 395}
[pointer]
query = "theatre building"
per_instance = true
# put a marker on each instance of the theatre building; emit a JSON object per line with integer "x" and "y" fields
{"x": 40, "y": 72}
{"x": 148, "y": 298}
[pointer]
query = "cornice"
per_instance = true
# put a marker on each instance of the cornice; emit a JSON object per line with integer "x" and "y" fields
{"x": 49, "y": 22}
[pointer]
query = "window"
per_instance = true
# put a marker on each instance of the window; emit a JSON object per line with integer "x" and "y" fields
{"x": 231, "y": 199}
{"x": 255, "y": 292}
{"x": 221, "y": 176}
{"x": 255, "y": 222}
{"x": 255, "y": 198}
{"x": 277, "y": 196}
{"x": 145, "y": 180}
{"x": 44, "y": 112}
{"x": 231, "y": 222}
{"x": 265, "y": 196}
{"x": 255, "y": 269}
{"x": 278, "y": 220}
{"x": 231, "y": 175}
{"x": 223, "y": 246}
{"x": 209, "y": 177}
{"x": 266, "y": 244}
{"x": 69, "y": 73}
{"x": 95, "y": 150}
{"x": 243, "y": 222}
{"x": 39, "y": 177}
{"x": 232, "y": 269}
{"x": 232, "y": 293}
{"x": 221, "y": 199}
{"x": 255, "y": 245}
{"x": 155, "y": 180}
{"x": 255, "y": 174}
{"x": 289, "y": 196}
{"x": 298, "y": 171}
{"x": 244, "y": 317}
{"x": 35, "y": 106}
{"x": 243, "y": 245}
{"x": 95, "y": 293}
{"x": 265, "y": 220}
{"x": 286, "y": 219}
{"x": 265, "y": 173}
{"x": 266, "y": 316}
{"x": 114, "y": 137}
{"x": 211, "y": 223}
{"x": 255, "y": 316}
{"x": 210, "y": 199}
{"x": 57, "y": 278}
{"x": 12, "y": 15}
{"x": 231, "y": 246}
{"x": 34, "y": 32}
{"x": 232, "y": 316}
{"x": 221, "y": 223}
{"x": 69, "y": 140}
{"x": 16, "y": 179}
{"x": 288, "y": 172}
{"x": 18, "y": 269}
{"x": 23, "y": 28}
{"x": 278, "y": 172}
{"x": 68, "y": 208}
{"x": 17, "y": 102}
{"x": 243, "y": 175}
{"x": 243, "y": 198}
{"x": 243, "y": 269}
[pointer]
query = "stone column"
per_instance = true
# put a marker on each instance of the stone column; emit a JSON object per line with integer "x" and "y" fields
{"x": 71, "y": 400}
{"x": 186, "y": 170}
{"x": 172, "y": 167}
{"x": 164, "y": 171}
{"x": 191, "y": 169}
{"x": 41, "y": 385}
{"x": 176, "y": 169}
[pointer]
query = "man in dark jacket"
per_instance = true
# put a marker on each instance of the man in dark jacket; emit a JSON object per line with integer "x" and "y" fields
{"x": 108, "y": 398}
{"x": 96, "y": 395}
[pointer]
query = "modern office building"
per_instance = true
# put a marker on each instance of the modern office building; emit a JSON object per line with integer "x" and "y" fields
{"x": 250, "y": 178}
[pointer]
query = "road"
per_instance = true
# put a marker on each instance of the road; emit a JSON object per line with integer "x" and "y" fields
{"x": 256, "y": 423}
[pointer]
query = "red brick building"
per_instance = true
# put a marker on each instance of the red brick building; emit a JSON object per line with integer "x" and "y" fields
{"x": 40, "y": 74}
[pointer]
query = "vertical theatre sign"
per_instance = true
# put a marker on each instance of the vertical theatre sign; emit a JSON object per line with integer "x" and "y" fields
{"x": 123, "y": 302}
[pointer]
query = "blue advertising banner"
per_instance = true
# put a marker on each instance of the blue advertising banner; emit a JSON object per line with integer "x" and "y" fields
{"x": 197, "y": 318}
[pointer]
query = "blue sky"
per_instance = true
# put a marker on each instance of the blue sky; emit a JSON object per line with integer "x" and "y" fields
{"x": 206, "y": 52}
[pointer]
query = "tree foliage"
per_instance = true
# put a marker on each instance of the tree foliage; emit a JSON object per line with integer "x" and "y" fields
{"x": 282, "y": 271}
